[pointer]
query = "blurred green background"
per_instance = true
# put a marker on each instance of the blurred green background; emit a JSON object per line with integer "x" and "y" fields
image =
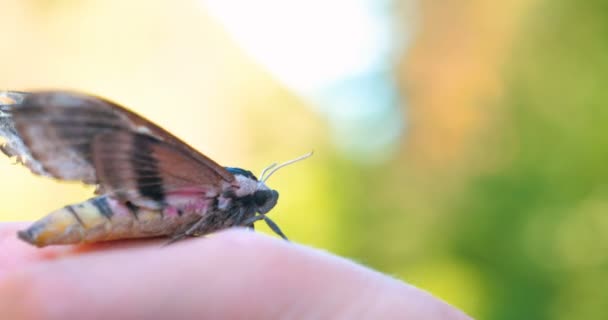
{"x": 491, "y": 193}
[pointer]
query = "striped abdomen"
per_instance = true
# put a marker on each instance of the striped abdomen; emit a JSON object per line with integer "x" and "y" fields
{"x": 104, "y": 218}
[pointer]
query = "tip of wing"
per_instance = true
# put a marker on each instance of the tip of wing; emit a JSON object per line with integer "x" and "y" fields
{"x": 11, "y": 97}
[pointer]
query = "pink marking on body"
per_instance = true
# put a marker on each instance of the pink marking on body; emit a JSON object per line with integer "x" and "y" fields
{"x": 188, "y": 203}
{"x": 198, "y": 206}
{"x": 223, "y": 202}
{"x": 118, "y": 208}
{"x": 171, "y": 211}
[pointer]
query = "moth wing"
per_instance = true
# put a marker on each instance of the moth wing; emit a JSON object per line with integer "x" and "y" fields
{"x": 54, "y": 133}
{"x": 12, "y": 145}
{"x": 144, "y": 170}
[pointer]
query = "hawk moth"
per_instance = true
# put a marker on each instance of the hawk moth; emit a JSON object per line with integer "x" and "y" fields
{"x": 149, "y": 182}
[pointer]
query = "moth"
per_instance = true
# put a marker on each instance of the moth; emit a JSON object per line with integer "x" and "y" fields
{"x": 149, "y": 182}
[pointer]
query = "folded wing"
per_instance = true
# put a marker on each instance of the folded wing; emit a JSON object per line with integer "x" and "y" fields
{"x": 72, "y": 136}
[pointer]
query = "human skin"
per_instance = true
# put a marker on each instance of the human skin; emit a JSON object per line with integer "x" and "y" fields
{"x": 235, "y": 274}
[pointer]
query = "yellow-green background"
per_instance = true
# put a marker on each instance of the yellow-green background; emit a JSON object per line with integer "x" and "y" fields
{"x": 496, "y": 200}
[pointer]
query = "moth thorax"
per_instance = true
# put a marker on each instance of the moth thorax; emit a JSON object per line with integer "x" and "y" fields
{"x": 247, "y": 185}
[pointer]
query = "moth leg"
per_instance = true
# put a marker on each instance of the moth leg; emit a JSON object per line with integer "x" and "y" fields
{"x": 273, "y": 226}
{"x": 238, "y": 219}
{"x": 249, "y": 222}
{"x": 191, "y": 231}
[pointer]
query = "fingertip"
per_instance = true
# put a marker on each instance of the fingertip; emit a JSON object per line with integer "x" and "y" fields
{"x": 18, "y": 298}
{"x": 243, "y": 239}
{"x": 355, "y": 289}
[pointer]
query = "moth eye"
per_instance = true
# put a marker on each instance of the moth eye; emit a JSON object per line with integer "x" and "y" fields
{"x": 265, "y": 200}
{"x": 260, "y": 197}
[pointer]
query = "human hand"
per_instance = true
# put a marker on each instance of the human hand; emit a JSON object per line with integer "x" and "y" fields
{"x": 235, "y": 274}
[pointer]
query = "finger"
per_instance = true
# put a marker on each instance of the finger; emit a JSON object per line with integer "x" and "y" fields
{"x": 15, "y": 253}
{"x": 235, "y": 275}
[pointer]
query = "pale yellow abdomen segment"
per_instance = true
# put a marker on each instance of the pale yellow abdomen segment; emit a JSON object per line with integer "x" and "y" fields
{"x": 101, "y": 219}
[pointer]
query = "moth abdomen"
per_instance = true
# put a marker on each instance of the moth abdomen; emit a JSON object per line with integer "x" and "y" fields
{"x": 83, "y": 222}
{"x": 103, "y": 218}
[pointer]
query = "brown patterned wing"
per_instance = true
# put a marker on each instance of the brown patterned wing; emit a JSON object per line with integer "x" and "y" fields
{"x": 63, "y": 135}
{"x": 145, "y": 170}
{"x": 12, "y": 144}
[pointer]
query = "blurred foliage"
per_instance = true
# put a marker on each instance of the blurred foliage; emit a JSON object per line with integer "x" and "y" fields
{"x": 522, "y": 232}
{"x": 536, "y": 226}
{"x": 498, "y": 199}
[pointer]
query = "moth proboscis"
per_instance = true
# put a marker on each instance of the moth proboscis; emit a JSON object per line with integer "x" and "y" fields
{"x": 149, "y": 182}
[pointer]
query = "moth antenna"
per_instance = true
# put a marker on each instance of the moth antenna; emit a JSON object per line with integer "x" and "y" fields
{"x": 272, "y": 165}
{"x": 276, "y": 168}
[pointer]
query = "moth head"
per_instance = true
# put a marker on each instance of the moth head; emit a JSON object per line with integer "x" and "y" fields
{"x": 262, "y": 197}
